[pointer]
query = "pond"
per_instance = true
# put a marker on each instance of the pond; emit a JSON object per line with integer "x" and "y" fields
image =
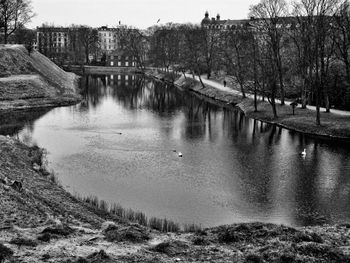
{"x": 122, "y": 142}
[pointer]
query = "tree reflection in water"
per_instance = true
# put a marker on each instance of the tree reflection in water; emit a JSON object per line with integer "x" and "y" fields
{"x": 244, "y": 169}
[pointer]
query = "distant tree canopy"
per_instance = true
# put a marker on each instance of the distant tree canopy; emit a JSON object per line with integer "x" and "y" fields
{"x": 297, "y": 49}
{"x": 25, "y": 37}
{"x": 84, "y": 41}
{"x": 14, "y": 14}
{"x": 134, "y": 42}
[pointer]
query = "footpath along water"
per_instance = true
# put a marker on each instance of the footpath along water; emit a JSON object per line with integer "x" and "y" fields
{"x": 122, "y": 144}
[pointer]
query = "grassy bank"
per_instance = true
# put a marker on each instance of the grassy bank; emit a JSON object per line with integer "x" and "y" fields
{"x": 33, "y": 81}
{"x": 332, "y": 125}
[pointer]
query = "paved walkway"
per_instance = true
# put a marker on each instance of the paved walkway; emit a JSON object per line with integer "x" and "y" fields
{"x": 219, "y": 86}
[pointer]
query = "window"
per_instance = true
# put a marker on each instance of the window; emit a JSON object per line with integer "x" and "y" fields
{"x": 127, "y": 64}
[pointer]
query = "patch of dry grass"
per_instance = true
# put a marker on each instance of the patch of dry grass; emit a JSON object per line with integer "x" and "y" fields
{"x": 304, "y": 120}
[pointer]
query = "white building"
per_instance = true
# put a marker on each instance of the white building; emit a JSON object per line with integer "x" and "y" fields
{"x": 108, "y": 39}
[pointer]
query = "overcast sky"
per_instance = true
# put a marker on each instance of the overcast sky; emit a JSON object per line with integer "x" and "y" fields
{"x": 138, "y": 13}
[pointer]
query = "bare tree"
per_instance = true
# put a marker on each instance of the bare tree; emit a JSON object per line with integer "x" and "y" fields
{"x": 192, "y": 50}
{"x": 165, "y": 45}
{"x": 318, "y": 17}
{"x": 341, "y": 36}
{"x": 26, "y": 37}
{"x": 211, "y": 41}
{"x": 269, "y": 21}
{"x": 134, "y": 42}
{"x": 236, "y": 48}
{"x": 89, "y": 40}
{"x": 14, "y": 14}
{"x": 302, "y": 56}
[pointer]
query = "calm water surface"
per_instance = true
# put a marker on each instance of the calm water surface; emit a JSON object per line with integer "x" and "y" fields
{"x": 119, "y": 144}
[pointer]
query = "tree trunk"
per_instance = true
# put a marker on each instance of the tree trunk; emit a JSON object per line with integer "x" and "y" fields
{"x": 273, "y": 101}
{"x": 5, "y": 33}
{"x": 273, "y": 104}
{"x": 87, "y": 56}
{"x": 318, "y": 117}
{"x": 303, "y": 96}
{"x": 327, "y": 104}
{"x": 281, "y": 87}
{"x": 318, "y": 98}
{"x": 242, "y": 90}
{"x": 200, "y": 79}
{"x": 255, "y": 99}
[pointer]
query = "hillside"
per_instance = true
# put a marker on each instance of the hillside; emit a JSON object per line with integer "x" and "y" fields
{"x": 33, "y": 81}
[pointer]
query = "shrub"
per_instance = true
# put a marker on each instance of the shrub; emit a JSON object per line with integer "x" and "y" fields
{"x": 253, "y": 258}
{"x": 24, "y": 242}
{"x": 5, "y": 253}
{"x": 228, "y": 236}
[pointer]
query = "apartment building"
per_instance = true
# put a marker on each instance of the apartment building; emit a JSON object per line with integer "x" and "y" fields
{"x": 53, "y": 42}
{"x": 108, "y": 39}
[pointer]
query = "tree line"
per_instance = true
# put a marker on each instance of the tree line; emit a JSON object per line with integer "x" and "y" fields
{"x": 300, "y": 50}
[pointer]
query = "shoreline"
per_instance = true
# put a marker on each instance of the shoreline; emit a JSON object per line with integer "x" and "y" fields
{"x": 246, "y": 106}
{"x": 42, "y": 222}
{"x": 41, "y": 102}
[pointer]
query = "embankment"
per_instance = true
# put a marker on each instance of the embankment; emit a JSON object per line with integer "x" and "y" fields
{"x": 332, "y": 126}
{"x": 33, "y": 81}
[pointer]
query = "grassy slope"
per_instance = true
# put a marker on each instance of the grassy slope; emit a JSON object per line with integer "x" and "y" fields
{"x": 332, "y": 125}
{"x": 33, "y": 81}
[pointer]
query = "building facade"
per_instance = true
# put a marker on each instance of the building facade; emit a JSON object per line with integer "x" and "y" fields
{"x": 53, "y": 42}
{"x": 120, "y": 58}
{"x": 217, "y": 23}
{"x": 108, "y": 39}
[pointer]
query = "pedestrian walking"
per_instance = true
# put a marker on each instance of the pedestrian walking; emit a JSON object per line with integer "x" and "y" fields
{"x": 224, "y": 83}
